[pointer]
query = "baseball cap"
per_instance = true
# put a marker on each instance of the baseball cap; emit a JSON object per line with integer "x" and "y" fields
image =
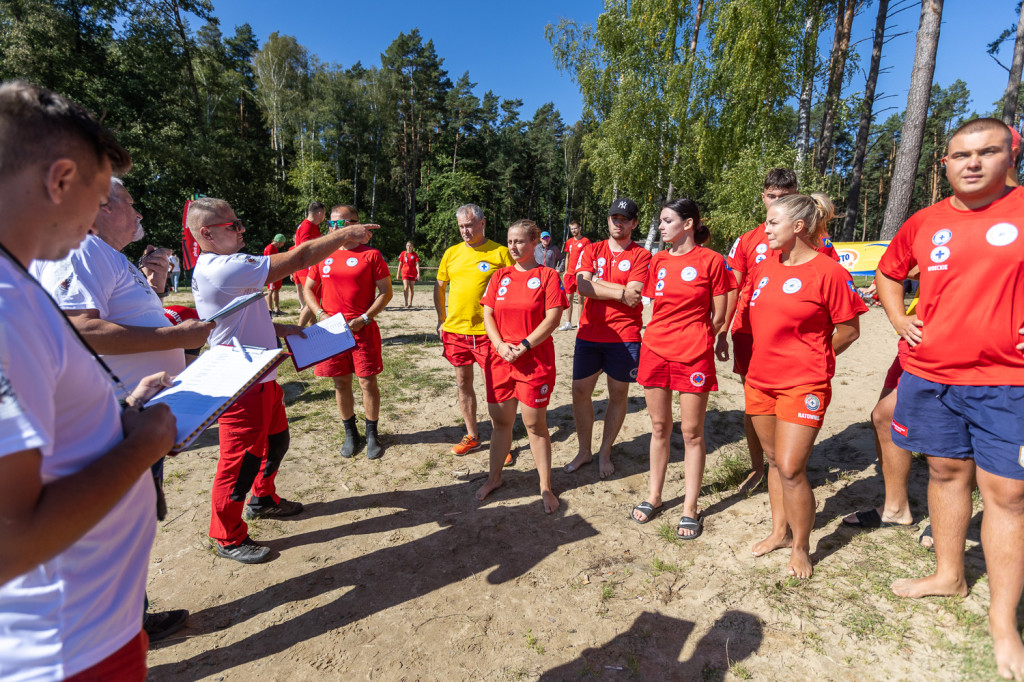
{"x": 279, "y": 238}
{"x": 624, "y": 207}
{"x": 1014, "y": 138}
{"x": 544, "y": 235}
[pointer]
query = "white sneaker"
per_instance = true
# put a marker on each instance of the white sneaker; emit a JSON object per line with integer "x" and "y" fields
{"x": 565, "y": 327}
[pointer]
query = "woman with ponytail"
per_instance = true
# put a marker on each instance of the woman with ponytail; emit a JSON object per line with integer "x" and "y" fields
{"x": 803, "y": 311}
{"x": 688, "y": 286}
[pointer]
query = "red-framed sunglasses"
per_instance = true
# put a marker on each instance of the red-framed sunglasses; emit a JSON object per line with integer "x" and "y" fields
{"x": 235, "y": 225}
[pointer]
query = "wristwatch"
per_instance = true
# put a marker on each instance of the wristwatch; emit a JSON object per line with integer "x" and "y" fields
{"x": 525, "y": 344}
{"x": 366, "y": 318}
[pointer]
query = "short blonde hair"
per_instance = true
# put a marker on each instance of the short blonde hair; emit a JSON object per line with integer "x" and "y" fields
{"x": 527, "y": 226}
{"x": 201, "y": 208}
{"x": 815, "y": 210}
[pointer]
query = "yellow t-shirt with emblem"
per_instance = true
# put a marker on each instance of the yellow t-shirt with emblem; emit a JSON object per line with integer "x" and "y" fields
{"x": 468, "y": 269}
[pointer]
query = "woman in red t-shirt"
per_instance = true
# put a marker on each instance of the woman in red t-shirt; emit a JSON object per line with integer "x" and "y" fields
{"x": 522, "y": 306}
{"x": 408, "y": 272}
{"x": 803, "y": 310}
{"x": 688, "y": 286}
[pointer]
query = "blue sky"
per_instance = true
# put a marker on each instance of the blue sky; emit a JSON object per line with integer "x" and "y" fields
{"x": 502, "y": 44}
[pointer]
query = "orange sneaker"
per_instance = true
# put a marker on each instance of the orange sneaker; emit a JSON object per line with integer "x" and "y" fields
{"x": 508, "y": 459}
{"x": 466, "y": 445}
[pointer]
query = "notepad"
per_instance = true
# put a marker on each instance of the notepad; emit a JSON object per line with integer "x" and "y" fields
{"x": 324, "y": 340}
{"x": 237, "y": 304}
{"x": 211, "y": 385}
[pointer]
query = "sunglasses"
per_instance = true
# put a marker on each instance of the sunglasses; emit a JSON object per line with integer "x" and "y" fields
{"x": 340, "y": 223}
{"x": 235, "y": 225}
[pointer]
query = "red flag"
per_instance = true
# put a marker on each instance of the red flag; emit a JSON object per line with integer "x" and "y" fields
{"x": 189, "y": 246}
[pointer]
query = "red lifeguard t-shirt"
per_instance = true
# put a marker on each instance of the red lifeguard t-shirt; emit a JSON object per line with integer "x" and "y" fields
{"x": 792, "y": 311}
{"x": 972, "y": 290}
{"x": 270, "y": 250}
{"x": 519, "y": 301}
{"x": 407, "y": 261}
{"x": 573, "y": 248}
{"x": 349, "y": 280}
{"x": 749, "y": 250}
{"x": 303, "y": 233}
{"x": 681, "y": 289}
{"x": 612, "y": 321}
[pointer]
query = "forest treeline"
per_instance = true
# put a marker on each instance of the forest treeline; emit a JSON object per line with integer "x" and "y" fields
{"x": 690, "y": 98}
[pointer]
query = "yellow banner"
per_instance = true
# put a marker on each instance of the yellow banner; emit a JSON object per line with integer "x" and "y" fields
{"x": 860, "y": 258}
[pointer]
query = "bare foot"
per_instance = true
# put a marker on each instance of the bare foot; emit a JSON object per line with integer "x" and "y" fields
{"x": 800, "y": 564}
{"x": 772, "y": 543}
{"x": 550, "y": 501}
{"x": 750, "y": 483}
{"x": 930, "y": 586}
{"x": 607, "y": 468}
{"x": 1009, "y": 656}
{"x": 489, "y": 486}
{"x": 575, "y": 464}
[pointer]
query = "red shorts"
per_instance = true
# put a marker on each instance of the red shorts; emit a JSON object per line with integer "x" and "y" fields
{"x": 892, "y": 377}
{"x": 804, "y": 405}
{"x": 504, "y": 382}
{"x": 570, "y": 284}
{"x": 742, "y": 349}
{"x": 696, "y": 377}
{"x": 409, "y": 276}
{"x": 127, "y": 663}
{"x": 274, "y": 286}
{"x": 465, "y": 349}
{"x": 364, "y": 360}
{"x": 299, "y": 277}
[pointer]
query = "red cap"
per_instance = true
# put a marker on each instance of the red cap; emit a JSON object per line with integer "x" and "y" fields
{"x": 1014, "y": 138}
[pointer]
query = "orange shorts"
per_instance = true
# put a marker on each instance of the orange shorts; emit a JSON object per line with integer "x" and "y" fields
{"x": 804, "y": 405}
{"x": 465, "y": 349}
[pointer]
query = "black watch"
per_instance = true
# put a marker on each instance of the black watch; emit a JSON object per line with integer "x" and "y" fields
{"x": 525, "y": 344}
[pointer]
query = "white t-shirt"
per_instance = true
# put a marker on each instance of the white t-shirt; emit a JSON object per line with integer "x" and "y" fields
{"x": 173, "y": 260}
{"x": 218, "y": 280}
{"x": 83, "y": 605}
{"x": 96, "y": 276}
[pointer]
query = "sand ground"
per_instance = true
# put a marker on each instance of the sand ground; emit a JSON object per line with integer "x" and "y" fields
{"x": 396, "y": 572}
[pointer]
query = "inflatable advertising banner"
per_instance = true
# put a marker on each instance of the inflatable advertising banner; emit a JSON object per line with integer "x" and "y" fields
{"x": 860, "y": 258}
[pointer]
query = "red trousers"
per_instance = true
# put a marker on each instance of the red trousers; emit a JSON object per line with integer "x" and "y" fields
{"x": 127, "y": 664}
{"x": 245, "y": 429}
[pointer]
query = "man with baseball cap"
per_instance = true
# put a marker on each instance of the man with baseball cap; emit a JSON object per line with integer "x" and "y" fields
{"x": 610, "y": 277}
{"x": 546, "y": 253}
{"x": 274, "y": 299}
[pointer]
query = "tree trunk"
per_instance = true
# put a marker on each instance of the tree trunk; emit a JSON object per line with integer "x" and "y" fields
{"x": 902, "y": 186}
{"x": 803, "y": 136}
{"x": 860, "y": 150}
{"x": 1013, "y": 85}
{"x": 845, "y": 9}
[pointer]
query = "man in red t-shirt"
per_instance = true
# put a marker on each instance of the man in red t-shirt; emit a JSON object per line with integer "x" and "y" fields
{"x": 355, "y": 282}
{"x": 274, "y": 299}
{"x": 573, "y": 250}
{"x": 610, "y": 276}
{"x": 961, "y": 397}
{"x": 307, "y": 229}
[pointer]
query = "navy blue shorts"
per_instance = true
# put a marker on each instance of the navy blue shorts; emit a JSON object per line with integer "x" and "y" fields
{"x": 619, "y": 360}
{"x": 983, "y": 423}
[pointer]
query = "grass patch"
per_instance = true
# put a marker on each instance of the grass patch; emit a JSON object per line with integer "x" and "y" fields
{"x": 607, "y": 592}
{"x": 667, "y": 532}
{"x": 658, "y": 567}
{"x": 730, "y": 470}
{"x": 532, "y": 643}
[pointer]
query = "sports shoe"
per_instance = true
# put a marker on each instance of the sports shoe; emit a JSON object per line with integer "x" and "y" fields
{"x": 271, "y": 511}
{"x": 164, "y": 624}
{"x": 466, "y": 445}
{"x": 565, "y": 327}
{"x": 248, "y": 551}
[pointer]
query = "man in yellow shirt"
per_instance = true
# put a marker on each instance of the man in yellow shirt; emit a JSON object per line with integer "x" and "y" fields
{"x": 468, "y": 268}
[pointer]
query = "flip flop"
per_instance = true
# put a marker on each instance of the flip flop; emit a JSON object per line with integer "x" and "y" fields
{"x": 690, "y": 523}
{"x": 927, "y": 533}
{"x": 647, "y": 509}
{"x": 870, "y": 518}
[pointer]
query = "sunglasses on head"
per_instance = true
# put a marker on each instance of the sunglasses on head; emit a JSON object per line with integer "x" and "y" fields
{"x": 235, "y": 225}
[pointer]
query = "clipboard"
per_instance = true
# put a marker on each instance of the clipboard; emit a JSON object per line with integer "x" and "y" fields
{"x": 324, "y": 340}
{"x": 211, "y": 385}
{"x": 237, "y": 304}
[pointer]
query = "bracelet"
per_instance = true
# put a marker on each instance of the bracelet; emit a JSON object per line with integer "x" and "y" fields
{"x": 366, "y": 318}
{"x": 321, "y": 312}
{"x": 525, "y": 344}
{"x": 622, "y": 296}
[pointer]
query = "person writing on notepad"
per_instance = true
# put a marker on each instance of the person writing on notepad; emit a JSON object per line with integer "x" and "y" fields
{"x": 254, "y": 431}
{"x": 355, "y": 282}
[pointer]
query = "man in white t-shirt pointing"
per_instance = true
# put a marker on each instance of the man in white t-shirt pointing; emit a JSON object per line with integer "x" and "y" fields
{"x": 76, "y": 497}
{"x": 254, "y": 430}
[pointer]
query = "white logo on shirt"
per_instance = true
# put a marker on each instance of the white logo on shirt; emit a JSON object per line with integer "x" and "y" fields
{"x": 1001, "y": 234}
{"x": 325, "y": 270}
{"x": 759, "y": 259}
{"x": 762, "y": 248}
{"x": 601, "y": 261}
{"x": 941, "y": 237}
{"x": 792, "y": 285}
{"x": 662, "y": 273}
{"x": 329, "y": 261}
{"x": 502, "y": 291}
{"x": 600, "y": 273}
{"x": 939, "y": 254}
{"x": 688, "y": 274}
{"x": 660, "y": 285}
{"x": 505, "y": 281}
{"x": 763, "y": 283}
{"x": 533, "y": 282}
{"x": 753, "y": 297}
{"x": 352, "y": 262}
{"x": 732, "y": 251}
{"x": 624, "y": 265}
{"x": 483, "y": 267}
